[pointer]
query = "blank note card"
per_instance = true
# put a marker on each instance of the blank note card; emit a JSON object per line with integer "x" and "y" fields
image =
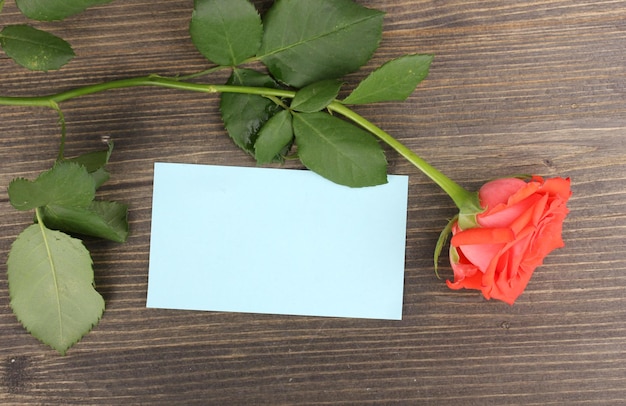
{"x": 277, "y": 241}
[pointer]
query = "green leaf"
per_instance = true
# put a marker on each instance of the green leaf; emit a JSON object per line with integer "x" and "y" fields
{"x": 51, "y": 287}
{"x": 35, "y": 49}
{"x": 339, "y": 151}
{"x": 100, "y": 176}
{"x": 227, "y": 32}
{"x": 49, "y": 10}
{"x": 101, "y": 219}
{"x": 245, "y": 114}
{"x": 94, "y": 162}
{"x": 316, "y": 96}
{"x": 1, "y": 5}
{"x": 312, "y": 40}
{"x": 394, "y": 81}
{"x": 66, "y": 184}
{"x": 274, "y": 137}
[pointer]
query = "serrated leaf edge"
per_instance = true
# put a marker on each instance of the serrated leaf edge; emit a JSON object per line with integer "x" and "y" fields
{"x": 61, "y": 351}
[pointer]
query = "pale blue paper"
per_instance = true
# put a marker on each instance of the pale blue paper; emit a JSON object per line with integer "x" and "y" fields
{"x": 276, "y": 241}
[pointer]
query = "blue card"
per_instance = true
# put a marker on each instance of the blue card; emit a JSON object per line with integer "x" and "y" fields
{"x": 278, "y": 241}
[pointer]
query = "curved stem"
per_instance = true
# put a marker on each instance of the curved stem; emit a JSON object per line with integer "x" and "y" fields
{"x": 150, "y": 80}
{"x": 459, "y": 195}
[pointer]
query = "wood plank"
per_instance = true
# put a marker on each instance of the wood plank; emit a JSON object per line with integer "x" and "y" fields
{"x": 516, "y": 87}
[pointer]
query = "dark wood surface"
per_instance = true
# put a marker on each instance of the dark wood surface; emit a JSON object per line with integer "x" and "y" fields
{"x": 516, "y": 87}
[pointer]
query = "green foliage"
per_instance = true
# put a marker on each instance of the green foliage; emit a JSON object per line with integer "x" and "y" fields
{"x": 441, "y": 242}
{"x": 35, "y": 49}
{"x": 394, "y": 81}
{"x": 306, "y": 46}
{"x": 51, "y": 286}
{"x": 339, "y": 151}
{"x": 50, "y": 10}
{"x": 50, "y": 274}
{"x": 245, "y": 114}
{"x": 316, "y": 96}
{"x": 226, "y": 32}
{"x": 66, "y": 184}
{"x": 312, "y": 40}
{"x": 94, "y": 163}
{"x": 274, "y": 138}
{"x": 100, "y": 219}
{"x": 65, "y": 195}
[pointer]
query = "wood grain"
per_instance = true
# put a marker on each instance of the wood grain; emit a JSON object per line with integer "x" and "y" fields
{"x": 516, "y": 87}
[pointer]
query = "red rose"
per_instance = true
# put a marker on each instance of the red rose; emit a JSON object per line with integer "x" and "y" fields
{"x": 520, "y": 225}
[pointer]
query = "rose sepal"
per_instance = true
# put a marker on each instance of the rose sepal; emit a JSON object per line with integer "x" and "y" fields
{"x": 441, "y": 241}
{"x": 469, "y": 207}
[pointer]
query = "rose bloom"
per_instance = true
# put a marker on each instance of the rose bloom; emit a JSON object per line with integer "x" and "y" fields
{"x": 520, "y": 225}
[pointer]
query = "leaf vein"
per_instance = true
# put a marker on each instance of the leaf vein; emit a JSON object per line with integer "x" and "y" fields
{"x": 308, "y": 40}
{"x": 42, "y": 228}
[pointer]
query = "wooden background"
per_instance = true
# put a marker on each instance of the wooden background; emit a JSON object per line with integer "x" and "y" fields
{"x": 532, "y": 86}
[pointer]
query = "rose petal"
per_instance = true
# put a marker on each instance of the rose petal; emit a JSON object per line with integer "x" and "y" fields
{"x": 481, "y": 245}
{"x": 534, "y": 209}
{"x": 559, "y": 187}
{"x": 521, "y": 224}
{"x": 481, "y": 255}
{"x": 525, "y": 192}
{"x": 474, "y": 236}
{"x": 466, "y": 275}
{"x": 505, "y": 217}
{"x": 499, "y": 191}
